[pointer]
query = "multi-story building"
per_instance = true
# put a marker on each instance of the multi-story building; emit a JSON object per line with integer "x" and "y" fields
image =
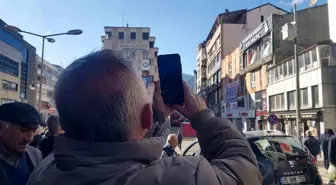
{"x": 51, "y": 73}
{"x": 201, "y": 59}
{"x": 226, "y": 33}
{"x": 332, "y": 19}
{"x": 17, "y": 67}
{"x": 316, "y": 63}
{"x": 135, "y": 44}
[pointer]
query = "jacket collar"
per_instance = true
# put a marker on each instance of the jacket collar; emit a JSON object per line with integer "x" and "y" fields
{"x": 74, "y": 152}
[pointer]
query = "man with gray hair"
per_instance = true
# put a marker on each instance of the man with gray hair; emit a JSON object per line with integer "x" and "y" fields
{"x": 169, "y": 148}
{"x": 106, "y": 114}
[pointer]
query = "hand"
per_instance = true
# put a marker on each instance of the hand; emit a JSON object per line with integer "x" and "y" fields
{"x": 193, "y": 104}
{"x": 158, "y": 101}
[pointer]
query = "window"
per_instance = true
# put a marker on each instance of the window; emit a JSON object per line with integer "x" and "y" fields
{"x": 280, "y": 72}
{"x": 155, "y": 54}
{"x": 261, "y": 18}
{"x": 133, "y": 36}
{"x": 145, "y": 54}
{"x": 126, "y": 54}
{"x": 307, "y": 61}
{"x": 276, "y": 71}
{"x": 315, "y": 96}
{"x": 291, "y": 100}
{"x": 121, "y": 35}
{"x": 272, "y": 75}
{"x": 314, "y": 57}
{"x": 284, "y": 66}
{"x": 108, "y": 35}
{"x": 290, "y": 67}
{"x": 304, "y": 98}
{"x": 9, "y": 66}
{"x": 145, "y": 36}
{"x": 277, "y": 102}
{"x": 253, "y": 85}
{"x": 230, "y": 68}
{"x": 9, "y": 85}
{"x": 151, "y": 44}
{"x": 301, "y": 63}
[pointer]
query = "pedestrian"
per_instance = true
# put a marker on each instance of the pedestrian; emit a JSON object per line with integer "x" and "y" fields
{"x": 18, "y": 123}
{"x": 37, "y": 139}
{"x": 180, "y": 139}
{"x": 105, "y": 111}
{"x": 325, "y": 146}
{"x": 47, "y": 144}
{"x": 332, "y": 159}
{"x": 169, "y": 148}
{"x": 312, "y": 144}
{"x": 322, "y": 138}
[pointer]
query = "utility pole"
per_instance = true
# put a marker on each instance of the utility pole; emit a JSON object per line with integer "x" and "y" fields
{"x": 297, "y": 77}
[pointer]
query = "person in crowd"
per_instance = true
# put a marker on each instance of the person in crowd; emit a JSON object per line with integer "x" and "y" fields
{"x": 180, "y": 139}
{"x": 325, "y": 147}
{"x": 36, "y": 140}
{"x": 106, "y": 114}
{"x": 54, "y": 127}
{"x": 332, "y": 156}
{"x": 312, "y": 144}
{"x": 18, "y": 123}
{"x": 169, "y": 148}
{"x": 321, "y": 138}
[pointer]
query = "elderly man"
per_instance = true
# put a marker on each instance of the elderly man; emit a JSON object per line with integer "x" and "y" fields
{"x": 18, "y": 122}
{"x": 106, "y": 114}
{"x": 169, "y": 148}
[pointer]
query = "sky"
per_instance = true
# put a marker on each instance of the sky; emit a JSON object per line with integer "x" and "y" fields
{"x": 178, "y": 25}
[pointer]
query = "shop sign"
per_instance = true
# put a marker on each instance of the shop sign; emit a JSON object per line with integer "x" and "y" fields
{"x": 135, "y": 47}
{"x": 256, "y": 34}
{"x": 261, "y": 113}
{"x": 231, "y": 94}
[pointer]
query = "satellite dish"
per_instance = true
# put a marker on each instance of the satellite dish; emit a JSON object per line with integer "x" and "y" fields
{"x": 312, "y": 2}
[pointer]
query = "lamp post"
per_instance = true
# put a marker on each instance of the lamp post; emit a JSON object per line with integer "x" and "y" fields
{"x": 49, "y": 39}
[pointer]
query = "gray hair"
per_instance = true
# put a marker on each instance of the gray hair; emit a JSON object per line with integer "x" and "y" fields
{"x": 100, "y": 97}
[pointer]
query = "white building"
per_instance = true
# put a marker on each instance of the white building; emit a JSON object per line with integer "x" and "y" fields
{"x": 332, "y": 19}
{"x": 51, "y": 73}
{"x": 317, "y": 90}
{"x": 135, "y": 44}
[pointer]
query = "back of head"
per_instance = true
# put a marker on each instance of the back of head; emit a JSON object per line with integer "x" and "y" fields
{"x": 53, "y": 125}
{"x": 309, "y": 133}
{"x": 330, "y": 132}
{"x": 99, "y": 98}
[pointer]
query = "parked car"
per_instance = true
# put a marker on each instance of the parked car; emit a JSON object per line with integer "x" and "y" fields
{"x": 282, "y": 159}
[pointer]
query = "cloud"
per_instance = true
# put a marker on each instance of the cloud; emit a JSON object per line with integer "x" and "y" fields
{"x": 47, "y": 32}
{"x": 298, "y": 1}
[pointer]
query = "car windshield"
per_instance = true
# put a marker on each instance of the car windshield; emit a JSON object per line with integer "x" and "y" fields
{"x": 279, "y": 147}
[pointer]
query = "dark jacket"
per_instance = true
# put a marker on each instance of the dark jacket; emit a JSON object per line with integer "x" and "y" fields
{"x": 325, "y": 144}
{"x": 332, "y": 150}
{"x": 312, "y": 144}
{"x": 168, "y": 151}
{"x": 35, "y": 157}
{"x": 228, "y": 160}
{"x": 36, "y": 141}
{"x": 47, "y": 145}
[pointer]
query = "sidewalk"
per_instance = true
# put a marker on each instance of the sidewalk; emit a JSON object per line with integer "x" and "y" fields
{"x": 322, "y": 170}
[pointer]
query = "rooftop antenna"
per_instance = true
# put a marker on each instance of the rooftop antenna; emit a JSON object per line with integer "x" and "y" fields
{"x": 312, "y": 3}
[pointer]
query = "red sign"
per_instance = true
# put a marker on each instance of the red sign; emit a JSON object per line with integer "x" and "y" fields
{"x": 229, "y": 115}
{"x": 261, "y": 113}
{"x": 243, "y": 113}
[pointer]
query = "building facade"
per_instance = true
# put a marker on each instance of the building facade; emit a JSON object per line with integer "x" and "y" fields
{"x": 17, "y": 67}
{"x": 315, "y": 61}
{"x": 136, "y": 45}
{"x": 51, "y": 73}
{"x": 201, "y": 80}
{"x": 227, "y": 31}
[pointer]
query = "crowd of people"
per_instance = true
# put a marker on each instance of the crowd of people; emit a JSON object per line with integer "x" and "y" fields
{"x": 108, "y": 132}
{"x": 326, "y": 146}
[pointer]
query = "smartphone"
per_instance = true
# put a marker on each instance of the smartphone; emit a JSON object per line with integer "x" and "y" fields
{"x": 170, "y": 74}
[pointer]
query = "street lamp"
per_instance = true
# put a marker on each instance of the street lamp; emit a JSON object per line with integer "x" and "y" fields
{"x": 50, "y": 40}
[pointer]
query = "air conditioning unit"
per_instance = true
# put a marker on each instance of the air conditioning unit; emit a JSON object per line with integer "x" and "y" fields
{"x": 289, "y": 31}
